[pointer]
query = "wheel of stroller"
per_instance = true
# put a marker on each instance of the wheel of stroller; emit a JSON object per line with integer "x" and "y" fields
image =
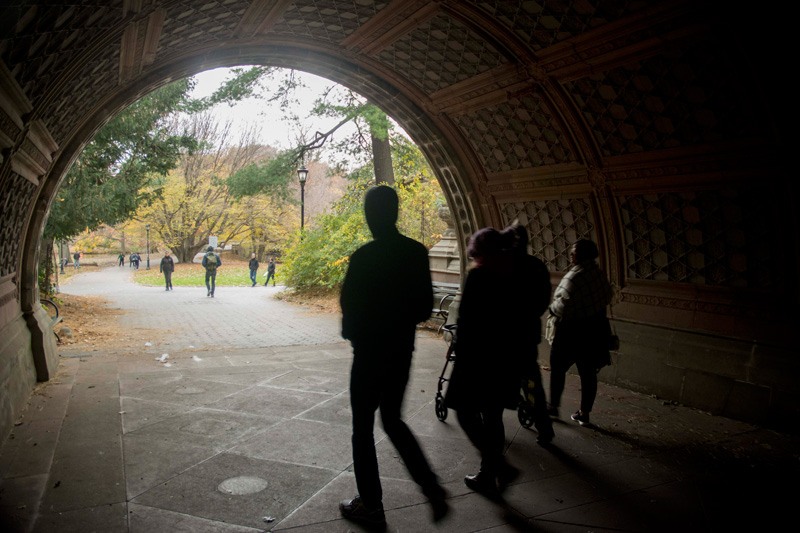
{"x": 441, "y": 409}
{"x": 525, "y": 414}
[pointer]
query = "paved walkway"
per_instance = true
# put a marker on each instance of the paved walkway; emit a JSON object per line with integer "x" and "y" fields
{"x": 257, "y": 438}
{"x": 237, "y": 317}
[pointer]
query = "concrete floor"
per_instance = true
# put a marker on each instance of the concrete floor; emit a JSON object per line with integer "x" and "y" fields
{"x": 258, "y": 438}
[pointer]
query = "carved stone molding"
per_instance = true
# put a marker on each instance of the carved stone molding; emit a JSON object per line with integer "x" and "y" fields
{"x": 391, "y": 23}
{"x": 140, "y": 41}
{"x": 260, "y": 17}
{"x": 690, "y": 167}
{"x": 553, "y": 181}
{"x": 640, "y": 35}
{"x": 683, "y": 304}
{"x": 484, "y": 90}
{"x": 597, "y": 178}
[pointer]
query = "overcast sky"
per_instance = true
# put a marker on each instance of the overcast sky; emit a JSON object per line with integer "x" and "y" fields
{"x": 274, "y": 130}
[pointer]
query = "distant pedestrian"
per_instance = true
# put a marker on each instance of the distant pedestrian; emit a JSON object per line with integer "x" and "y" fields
{"x": 253, "y": 269}
{"x": 391, "y": 269}
{"x": 121, "y": 258}
{"x": 136, "y": 260}
{"x": 582, "y": 330}
{"x": 270, "y": 272}
{"x": 77, "y": 258}
{"x": 167, "y": 267}
{"x": 211, "y": 262}
{"x": 130, "y": 260}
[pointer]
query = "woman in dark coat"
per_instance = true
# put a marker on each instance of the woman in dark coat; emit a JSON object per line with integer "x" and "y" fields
{"x": 487, "y": 372}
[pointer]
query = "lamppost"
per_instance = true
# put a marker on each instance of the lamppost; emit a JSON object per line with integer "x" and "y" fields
{"x": 147, "y": 227}
{"x": 61, "y": 256}
{"x": 302, "y": 174}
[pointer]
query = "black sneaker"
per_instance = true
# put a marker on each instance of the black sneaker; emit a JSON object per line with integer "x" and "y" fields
{"x": 482, "y": 484}
{"x": 357, "y": 511}
{"x": 546, "y": 435}
{"x": 581, "y": 418}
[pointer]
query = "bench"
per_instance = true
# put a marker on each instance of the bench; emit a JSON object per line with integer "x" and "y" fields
{"x": 51, "y": 307}
{"x": 443, "y": 294}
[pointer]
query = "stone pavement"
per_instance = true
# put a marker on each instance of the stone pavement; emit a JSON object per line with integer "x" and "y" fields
{"x": 258, "y": 438}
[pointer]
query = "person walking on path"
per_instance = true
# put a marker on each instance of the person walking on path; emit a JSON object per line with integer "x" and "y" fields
{"x": 387, "y": 291}
{"x": 582, "y": 330}
{"x": 533, "y": 297}
{"x": 167, "y": 267}
{"x": 270, "y": 272}
{"x": 253, "y": 269}
{"x": 489, "y": 358}
{"x": 121, "y": 258}
{"x": 77, "y": 257}
{"x": 211, "y": 262}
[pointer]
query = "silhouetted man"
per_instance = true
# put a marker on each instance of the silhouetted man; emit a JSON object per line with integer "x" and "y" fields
{"x": 386, "y": 293}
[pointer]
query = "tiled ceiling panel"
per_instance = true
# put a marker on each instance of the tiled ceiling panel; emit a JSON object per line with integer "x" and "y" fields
{"x": 679, "y": 98}
{"x": 520, "y": 133}
{"x": 331, "y": 21}
{"x": 439, "y": 53}
{"x": 542, "y": 24}
{"x": 46, "y": 39}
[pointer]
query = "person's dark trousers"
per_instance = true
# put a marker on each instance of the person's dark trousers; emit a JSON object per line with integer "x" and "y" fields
{"x": 211, "y": 276}
{"x": 560, "y": 361}
{"x": 540, "y": 417}
{"x": 168, "y": 279}
{"x": 270, "y": 276}
{"x": 121, "y": 262}
{"x": 378, "y": 380}
{"x": 253, "y": 276}
{"x": 484, "y": 428}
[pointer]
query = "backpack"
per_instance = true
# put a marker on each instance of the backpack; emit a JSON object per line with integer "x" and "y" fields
{"x": 211, "y": 262}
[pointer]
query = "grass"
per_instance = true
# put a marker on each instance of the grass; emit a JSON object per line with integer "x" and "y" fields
{"x": 230, "y": 274}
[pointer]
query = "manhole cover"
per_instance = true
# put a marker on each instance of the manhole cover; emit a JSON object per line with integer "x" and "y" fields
{"x": 242, "y": 485}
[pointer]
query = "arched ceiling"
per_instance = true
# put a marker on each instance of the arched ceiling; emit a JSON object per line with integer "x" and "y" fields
{"x": 584, "y": 118}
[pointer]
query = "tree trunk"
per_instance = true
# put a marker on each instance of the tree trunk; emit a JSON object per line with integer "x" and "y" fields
{"x": 382, "y": 156}
{"x": 46, "y": 263}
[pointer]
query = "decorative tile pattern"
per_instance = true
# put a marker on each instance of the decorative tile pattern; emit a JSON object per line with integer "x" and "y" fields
{"x": 78, "y": 98}
{"x": 327, "y": 20}
{"x": 520, "y": 133}
{"x": 553, "y": 225}
{"x": 688, "y": 97}
{"x": 439, "y": 53}
{"x": 16, "y": 195}
{"x": 541, "y": 24}
{"x": 713, "y": 237}
{"x": 190, "y": 23}
{"x": 48, "y": 38}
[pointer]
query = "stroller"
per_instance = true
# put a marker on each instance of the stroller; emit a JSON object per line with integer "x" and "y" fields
{"x": 525, "y": 406}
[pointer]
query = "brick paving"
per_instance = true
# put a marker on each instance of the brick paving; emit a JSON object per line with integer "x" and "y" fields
{"x": 237, "y": 317}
